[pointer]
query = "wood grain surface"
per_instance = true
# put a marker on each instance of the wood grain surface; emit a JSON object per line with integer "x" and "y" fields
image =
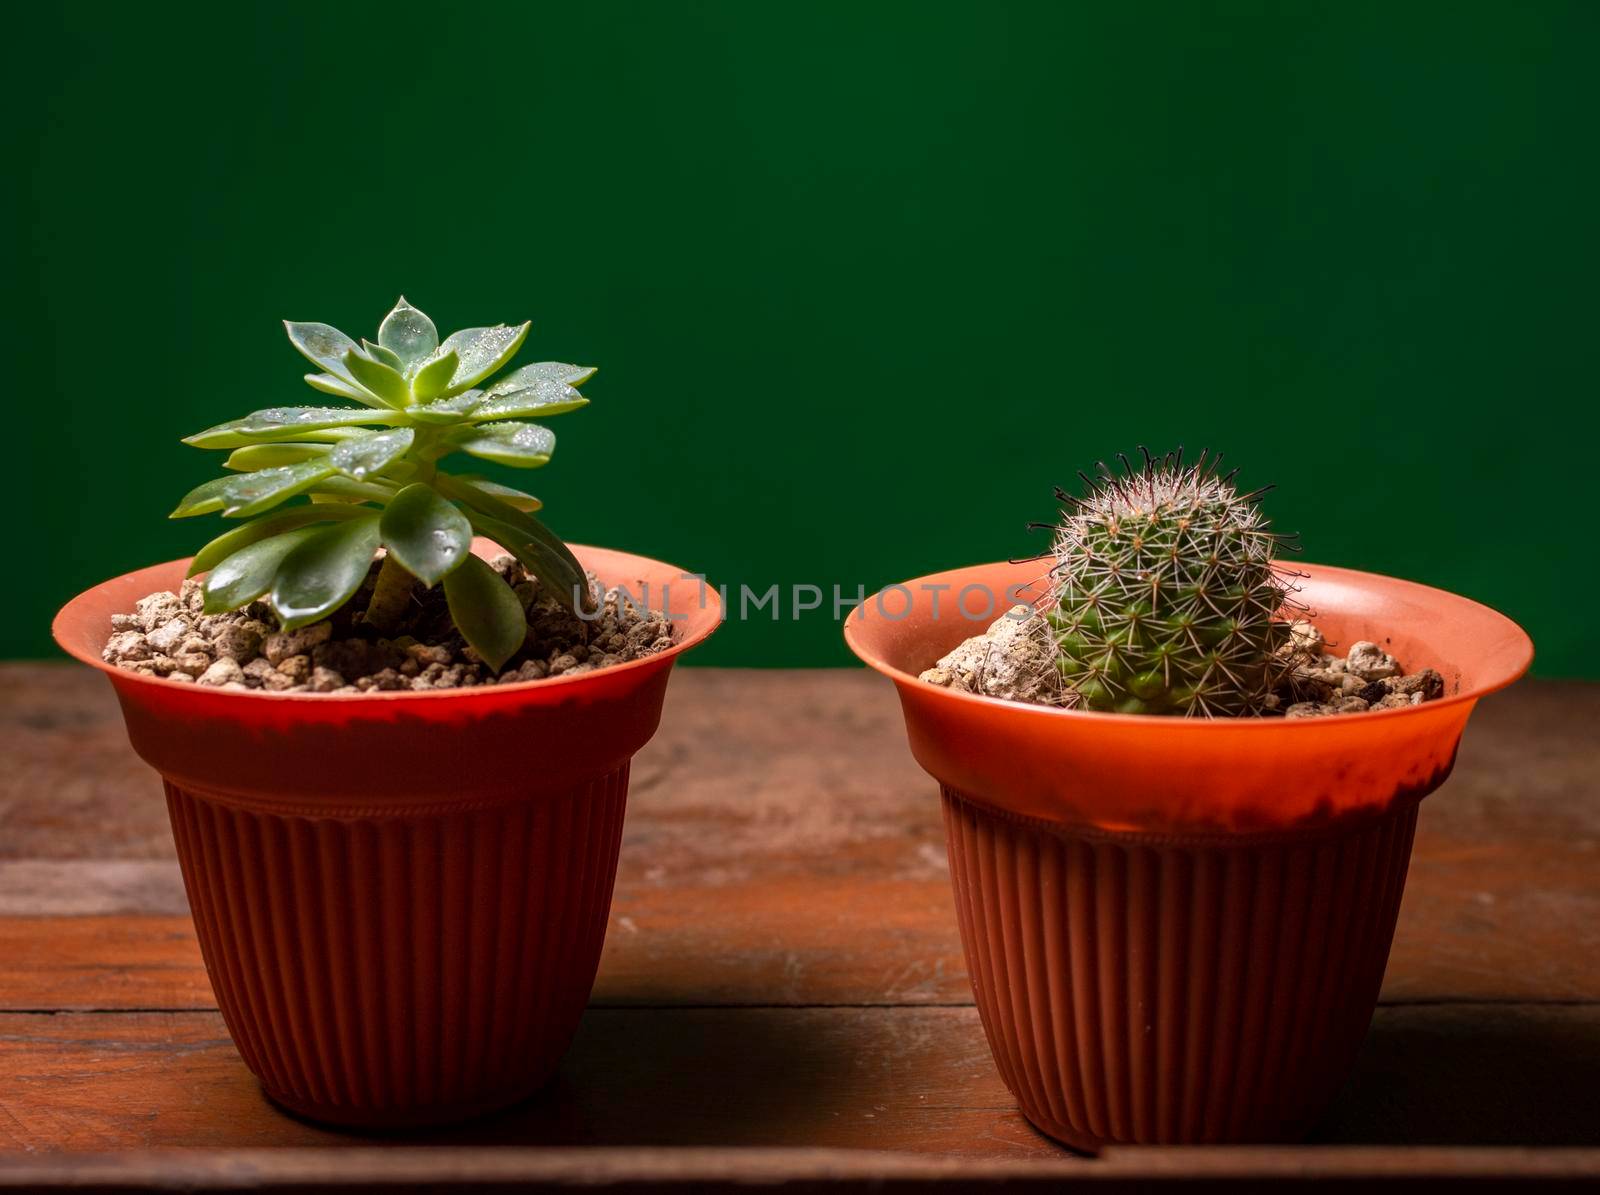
{"x": 782, "y": 969}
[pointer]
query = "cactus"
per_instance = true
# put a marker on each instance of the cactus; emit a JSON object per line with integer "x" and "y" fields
{"x": 1165, "y": 594}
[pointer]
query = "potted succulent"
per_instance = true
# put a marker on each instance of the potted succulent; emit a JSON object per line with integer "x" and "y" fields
{"x": 394, "y": 720}
{"x": 1176, "y": 926}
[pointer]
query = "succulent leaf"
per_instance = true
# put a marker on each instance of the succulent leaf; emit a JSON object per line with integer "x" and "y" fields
{"x": 267, "y": 456}
{"x": 402, "y": 472}
{"x": 246, "y": 574}
{"x": 433, "y": 378}
{"x": 541, "y": 398}
{"x": 447, "y": 410}
{"x": 342, "y": 489}
{"x": 542, "y": 371}
{"x": 486, "y": 611}
{"x": 538, "y": 548}
{"x": 378, "y": 353}
{"x": 284, "y": 423}
{"x": 243, "y": 536}
{"x": 367, "y": 455}
{"x": 320, "y": 574}
{"x": 378, "y": 378}
{"x": 324, "y": 346}
{"x": 202, "y": 500}
{"x": 482, "y": 351}
{"x": 562, "y": 580}
{"x": 329, "y": 384}
{"x": 408, "y": 334}
{"x": 253, "y": 493}
{"x": 521, "y": 445}
{"x": 493, "y": 489}
{"x": 425, "y": 533}
{"x": 477, "y": 496}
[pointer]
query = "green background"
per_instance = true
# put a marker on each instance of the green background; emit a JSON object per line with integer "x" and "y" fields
{"x": 863, "y": 279}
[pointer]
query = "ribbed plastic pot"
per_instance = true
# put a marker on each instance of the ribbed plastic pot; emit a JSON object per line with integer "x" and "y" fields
{"x": 1176, "y": 929}
{"x": 400, "y": 897}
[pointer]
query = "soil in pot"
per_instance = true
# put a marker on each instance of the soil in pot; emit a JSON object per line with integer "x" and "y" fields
{"x": 1015, "y": 659}
{"x": 168, "y": 635}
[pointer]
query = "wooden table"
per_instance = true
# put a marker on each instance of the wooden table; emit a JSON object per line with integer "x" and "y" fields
{"x": 782, "y": 996}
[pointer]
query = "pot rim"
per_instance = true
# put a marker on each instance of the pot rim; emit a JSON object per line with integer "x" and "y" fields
{"x": 711, "y": 604}
{"x": 1516, "y": 665}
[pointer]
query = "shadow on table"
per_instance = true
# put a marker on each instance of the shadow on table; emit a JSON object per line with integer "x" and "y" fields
{"x": 688, "y": 1077}
{"x": 1427, "y": 1075}
{"x": 1472, "y": 1075}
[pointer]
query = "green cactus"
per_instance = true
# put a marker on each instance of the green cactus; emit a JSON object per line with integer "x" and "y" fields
{"x": 1166, "y": 595}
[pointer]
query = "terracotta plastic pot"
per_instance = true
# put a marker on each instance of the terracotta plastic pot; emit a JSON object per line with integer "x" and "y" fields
{"x": 1176, "y": 928}
{"x": 400, "y": 897}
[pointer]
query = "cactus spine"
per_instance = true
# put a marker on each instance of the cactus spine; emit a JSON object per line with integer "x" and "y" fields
{"x": 1166, "y": 594}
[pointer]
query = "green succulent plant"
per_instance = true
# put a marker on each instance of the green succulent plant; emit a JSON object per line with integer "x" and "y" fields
{"x": 1166, "y": 592}
{"x": 321, "y": 489}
